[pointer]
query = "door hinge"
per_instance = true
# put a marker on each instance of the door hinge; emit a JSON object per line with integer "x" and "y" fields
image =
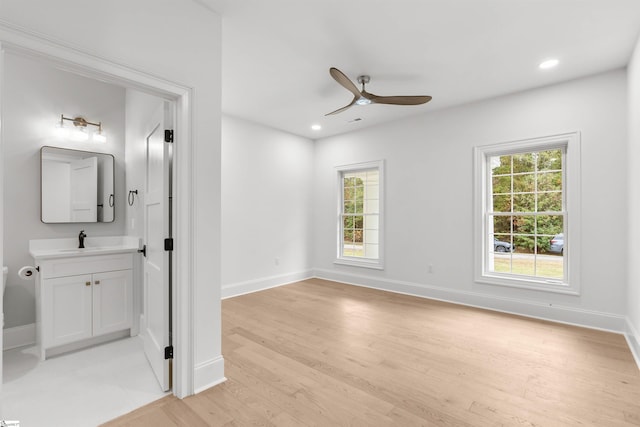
{"x": 168, "y": 244}
{"x": 168, "y": 135}
{"x": 168, "y": 352}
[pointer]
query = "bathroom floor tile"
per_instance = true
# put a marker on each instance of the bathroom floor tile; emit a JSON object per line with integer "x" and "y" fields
{"x": 83, "y": 388}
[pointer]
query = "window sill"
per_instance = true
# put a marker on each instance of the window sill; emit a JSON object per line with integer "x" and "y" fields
{"x": 375, "y": 265}
{"x": 541, "y": 285}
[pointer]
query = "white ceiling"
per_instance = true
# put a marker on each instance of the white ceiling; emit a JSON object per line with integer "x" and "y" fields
{"x": 277, "y": 53}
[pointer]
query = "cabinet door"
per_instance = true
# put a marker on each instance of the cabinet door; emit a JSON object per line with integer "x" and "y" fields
{"x": 112, "y": 306}
{"x": 66, "y": 310}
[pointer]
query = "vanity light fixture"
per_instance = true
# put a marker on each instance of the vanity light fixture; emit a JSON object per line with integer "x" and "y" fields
{"x": 79, "y": 132}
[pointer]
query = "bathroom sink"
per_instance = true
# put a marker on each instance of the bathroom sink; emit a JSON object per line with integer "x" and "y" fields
{"x": 68, "y": 247}
{"x": 96, "y": 248}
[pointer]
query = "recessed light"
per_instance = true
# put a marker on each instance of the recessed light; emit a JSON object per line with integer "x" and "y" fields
{"x": 316, "y": 127}
{"x": 549, "y": 63}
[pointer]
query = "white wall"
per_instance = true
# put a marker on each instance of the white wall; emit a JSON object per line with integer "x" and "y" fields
{"x": 266, "y": 207}
{"x": 179, "y": 41}
{"x": 34, "y": 97}
{"x": 633, "y": 231}
{"x": 429, "y": 196}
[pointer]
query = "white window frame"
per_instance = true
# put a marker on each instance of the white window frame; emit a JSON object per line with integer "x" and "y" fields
{"x": 378, "y": 263}
{"x": 570, "y": 142}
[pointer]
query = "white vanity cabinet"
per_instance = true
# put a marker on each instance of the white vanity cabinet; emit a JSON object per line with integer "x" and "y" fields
{"x": 83, "y": 298}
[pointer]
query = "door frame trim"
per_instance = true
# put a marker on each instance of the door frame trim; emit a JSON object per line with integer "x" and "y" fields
{"x": 20, "y": 41}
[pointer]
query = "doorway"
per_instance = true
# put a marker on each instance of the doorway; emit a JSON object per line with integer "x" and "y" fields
{"x": 127, "y": 224}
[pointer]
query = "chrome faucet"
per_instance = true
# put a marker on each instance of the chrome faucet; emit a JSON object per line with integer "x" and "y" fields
{"x": 81, "y": 237}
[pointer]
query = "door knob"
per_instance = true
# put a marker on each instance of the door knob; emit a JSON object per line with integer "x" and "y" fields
{"x": 97, "y": 282}
{"x": 87, "y": 283}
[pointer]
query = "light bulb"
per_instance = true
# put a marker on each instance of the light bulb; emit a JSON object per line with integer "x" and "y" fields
{"x": 78, "y": 135}
{"x": 99, "y": 137}
{"x": 60, "y": 131}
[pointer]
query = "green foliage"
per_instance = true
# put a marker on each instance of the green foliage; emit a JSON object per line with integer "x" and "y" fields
{"x": 528, "y": 183}
{"x": 353, "y": 198}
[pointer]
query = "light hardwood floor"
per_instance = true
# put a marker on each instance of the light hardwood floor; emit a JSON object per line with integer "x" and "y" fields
{"x": 319, "y": 353}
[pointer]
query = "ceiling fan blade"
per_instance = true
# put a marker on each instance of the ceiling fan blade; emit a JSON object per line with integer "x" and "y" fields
{"x": 396, "y": 100}
{"x": 340, "y": 110}
{"x": 344, "y": 81}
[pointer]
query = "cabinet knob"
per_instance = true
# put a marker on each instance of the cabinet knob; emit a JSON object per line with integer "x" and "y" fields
{"x": 87, "y": 283}
{"x": 97, "y": 282}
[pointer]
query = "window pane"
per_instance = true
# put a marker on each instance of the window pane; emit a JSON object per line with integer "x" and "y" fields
{"x": 358, "y": 221}
{"x": 347, "y": 222}
{"x": 371, "y": 251}
{"x": 371, "y": 222}
{"x": 349, "y": 207}
{"x": 502, "y": 263}
{"x": 353, "y": 250}
{"x": 551, "y": 267}
{"x": 501, "y": 184}
{"x": 502, "y": 203}
{"x": 550, "y": 160}
{"x": 349, "y": 194}
{"x": 372, "y": 206}
{"x": 371, "y": 236}
{"x": 502, "y": 224}
{"x": 502, "y": 243}
{"x": 524, "y": 183}
{"x": 525, "y": 264}
{"x": 550, "y": 181}
{"x": 372, "y": 191}
{"x": 524, "y": 244}
{"x": 523, "y": 163}
{"x": 348, "y": 237}
{"x": 524, "y": 202}
{"x": 359, "y": 206}
{"x": 550, "y": 224}
{"x": 524, "y": 224}
{"x": 500, "y": 165}
{"x": 550, "y": 202}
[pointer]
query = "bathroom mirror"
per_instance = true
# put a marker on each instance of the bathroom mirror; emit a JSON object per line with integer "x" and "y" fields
{"x": 76, "y": 186}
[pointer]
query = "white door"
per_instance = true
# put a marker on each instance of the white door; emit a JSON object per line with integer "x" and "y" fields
{"x": 155, "y": 319}
{"x": 84, "y": 190}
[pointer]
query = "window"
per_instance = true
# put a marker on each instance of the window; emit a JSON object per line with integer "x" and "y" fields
{"x": 527, "y": 213}
{"x": 360, "y": 215}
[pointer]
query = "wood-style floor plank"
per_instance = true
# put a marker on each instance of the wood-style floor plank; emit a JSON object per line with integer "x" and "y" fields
{"x": 320, "y": 353}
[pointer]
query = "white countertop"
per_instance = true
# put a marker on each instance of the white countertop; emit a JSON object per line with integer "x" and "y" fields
{"x": 99, "y": 245}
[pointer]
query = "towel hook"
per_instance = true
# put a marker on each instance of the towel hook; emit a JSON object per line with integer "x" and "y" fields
{"x": 131, "y": 198}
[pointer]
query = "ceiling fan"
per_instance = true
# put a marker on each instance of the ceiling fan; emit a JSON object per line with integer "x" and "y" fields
{"x": 363, "y": 97}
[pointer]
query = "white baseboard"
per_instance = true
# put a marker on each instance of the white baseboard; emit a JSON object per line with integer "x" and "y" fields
{"x": 208, "y": 374}
{"x": 19, "y": 336}
{"x": 242, "y": 288}
{"x": 556, "y": 313}
{"x": 633, "y": 339}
